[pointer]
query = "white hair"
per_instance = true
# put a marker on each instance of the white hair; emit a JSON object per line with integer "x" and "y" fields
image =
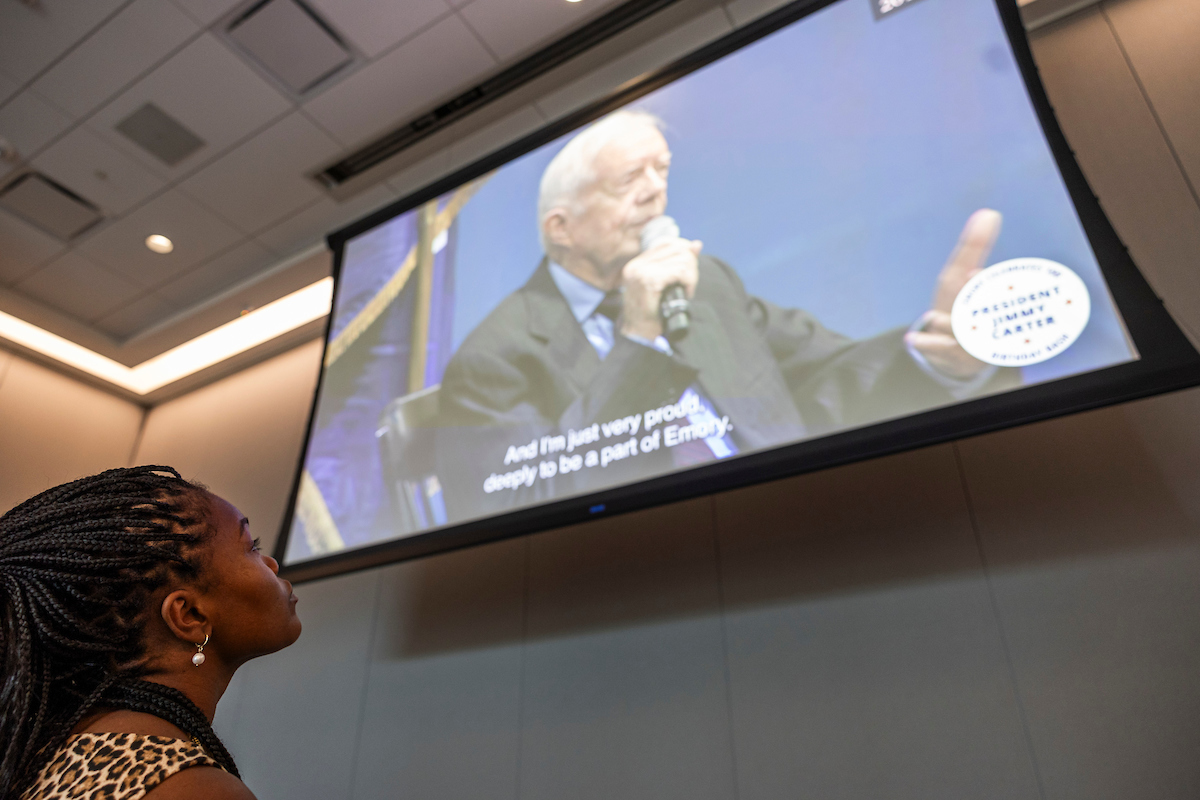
{"x": 572, "y": 170}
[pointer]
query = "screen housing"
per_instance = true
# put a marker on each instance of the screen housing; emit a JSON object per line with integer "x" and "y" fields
{"x": 1167, "y": 360}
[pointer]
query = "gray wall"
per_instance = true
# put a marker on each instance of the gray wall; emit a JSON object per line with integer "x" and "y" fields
{"x": 1015, "y": 615}
{"x": 54, "y": 429}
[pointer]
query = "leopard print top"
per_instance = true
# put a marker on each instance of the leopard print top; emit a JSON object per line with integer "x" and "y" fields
{"x": 114, "y": 766}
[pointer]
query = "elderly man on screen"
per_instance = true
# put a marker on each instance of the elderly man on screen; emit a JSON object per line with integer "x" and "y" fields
{"x": 582, "y": 341}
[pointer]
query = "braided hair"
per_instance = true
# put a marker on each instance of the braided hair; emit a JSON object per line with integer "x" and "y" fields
{"x": 78, "y": 566}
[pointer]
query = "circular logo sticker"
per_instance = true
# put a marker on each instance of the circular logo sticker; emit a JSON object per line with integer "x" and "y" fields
{"x": 1021, "y": 311}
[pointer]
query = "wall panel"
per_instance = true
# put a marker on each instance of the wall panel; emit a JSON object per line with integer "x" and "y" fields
{"x": 1094, "y": 567}
{"x": 864, "y": 654}
{"x": 442, "y": 709}
{"x": 1159, "y": 37}
{"x": 54, "y": 429}
{"x": 1123, "y": 153}
{"x": 5, "y": 360}
{"x": 624, "y": 689}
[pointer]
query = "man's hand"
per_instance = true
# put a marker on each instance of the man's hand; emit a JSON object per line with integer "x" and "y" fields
{"x": 936, "y": 340}
{"x": 644, "y": 279}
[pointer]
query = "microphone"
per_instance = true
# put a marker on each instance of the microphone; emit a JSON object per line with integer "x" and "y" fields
{"x": 673, "y": 306}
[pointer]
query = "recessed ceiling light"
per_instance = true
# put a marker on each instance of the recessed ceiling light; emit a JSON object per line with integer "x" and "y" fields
{"x": 159, "y": 243}
{"x": 573, "y": 1}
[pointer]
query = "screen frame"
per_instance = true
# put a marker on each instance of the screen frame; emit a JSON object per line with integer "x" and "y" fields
{"x": 1167, "y": 362}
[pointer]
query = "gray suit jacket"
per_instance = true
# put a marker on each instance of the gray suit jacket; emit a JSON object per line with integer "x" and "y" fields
{"x": 528, "y": 370}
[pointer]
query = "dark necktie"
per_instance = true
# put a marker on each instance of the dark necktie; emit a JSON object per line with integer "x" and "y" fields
{"x": 684, "y": 454}
{"x": 610, "y": 306}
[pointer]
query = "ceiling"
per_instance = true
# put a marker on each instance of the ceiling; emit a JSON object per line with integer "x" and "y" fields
{"x": 246, "y": 218}
{"x": 72, "y": 70}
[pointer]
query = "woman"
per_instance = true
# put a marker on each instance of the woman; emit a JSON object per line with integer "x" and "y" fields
{"x": 127, "y": 601}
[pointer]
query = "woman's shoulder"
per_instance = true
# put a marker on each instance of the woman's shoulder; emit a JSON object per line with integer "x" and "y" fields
{"x": 128, "y": 766}
{"x": 208, "y": 783}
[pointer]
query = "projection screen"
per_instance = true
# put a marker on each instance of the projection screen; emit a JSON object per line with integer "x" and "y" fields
{"x": 847, "y": 229}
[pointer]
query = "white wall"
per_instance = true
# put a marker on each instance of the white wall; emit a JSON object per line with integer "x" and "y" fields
{"x": 1014, "y": 615}
{"x": 54, "y": 429}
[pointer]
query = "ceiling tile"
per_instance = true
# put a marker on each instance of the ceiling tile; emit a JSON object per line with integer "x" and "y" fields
{"x": 265, "y": 179}
{"x": 23, "y": 248}
{"x": 693, "y": 34}
{"x": 376, "y": 25}
{"x": 157, "y": 133}
{"x": 131, "y": 43}
{"x": 207, "y": 89}
{"x": 131, "y": 319}
{"x": 311, "y": 225}
{"x": 196, "y": 232}
{"x": 28, "y": 122}
{"x": 7, "y": 88}
{"x": 290, "y": 44}
{"x": 218, "y": 274}
{"x": 97, "y": 171}
{"x": 205, "y": 11}
{"x": 78, "y": 287}
{"x": 514, "y": 28}
{"x": 407, "y": 81}
{"x": 32, "y": 38}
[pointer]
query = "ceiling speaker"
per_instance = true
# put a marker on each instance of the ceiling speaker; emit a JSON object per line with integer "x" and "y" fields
{"x": 159, "y": 134}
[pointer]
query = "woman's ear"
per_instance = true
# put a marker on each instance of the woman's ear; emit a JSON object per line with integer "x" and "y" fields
{"x": 183, "y": 616}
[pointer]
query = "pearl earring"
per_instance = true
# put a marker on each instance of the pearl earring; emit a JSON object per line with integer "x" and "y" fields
{"x": 198, "y": 659}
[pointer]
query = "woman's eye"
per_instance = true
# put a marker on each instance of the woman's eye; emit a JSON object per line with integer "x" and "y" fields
{"x": 255, "y": 548}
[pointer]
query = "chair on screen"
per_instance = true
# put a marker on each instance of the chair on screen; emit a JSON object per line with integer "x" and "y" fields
{"x": 406, "y": 450}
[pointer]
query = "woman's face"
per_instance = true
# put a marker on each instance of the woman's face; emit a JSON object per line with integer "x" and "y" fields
{"x": 251, "y": 609}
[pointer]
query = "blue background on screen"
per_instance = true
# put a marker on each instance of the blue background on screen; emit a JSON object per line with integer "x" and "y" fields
{"x": 833, "y": 165}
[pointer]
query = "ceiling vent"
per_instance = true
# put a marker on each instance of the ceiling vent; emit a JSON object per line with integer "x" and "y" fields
{"x": 287, "y": 39}
{"x": 51, "y": 207}
{"x": 159, "y": 134}
{"x": 573, "y": 44}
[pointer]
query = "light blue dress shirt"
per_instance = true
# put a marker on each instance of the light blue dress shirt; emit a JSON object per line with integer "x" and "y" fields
{"x": 584, "y": 299}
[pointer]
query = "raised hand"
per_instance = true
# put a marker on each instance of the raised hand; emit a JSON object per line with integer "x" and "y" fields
{"x": 644, "y": 279}
{"x": 935, "y": 340}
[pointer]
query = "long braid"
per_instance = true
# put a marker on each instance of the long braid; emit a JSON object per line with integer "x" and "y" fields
{"x": 173, "y": 706}
{"x": 78, "y": 565}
